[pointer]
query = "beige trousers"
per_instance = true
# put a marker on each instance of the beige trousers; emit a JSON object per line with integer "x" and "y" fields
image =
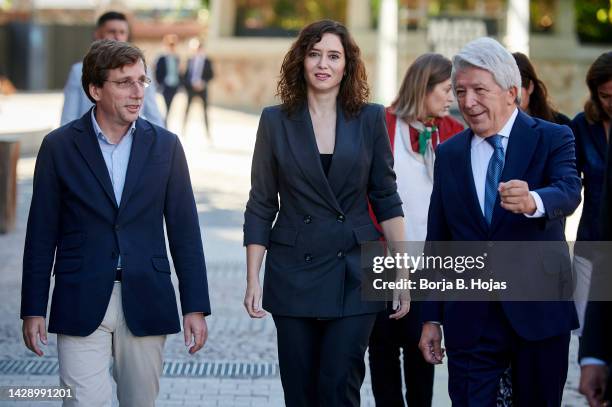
{"x": 84, "y": 362}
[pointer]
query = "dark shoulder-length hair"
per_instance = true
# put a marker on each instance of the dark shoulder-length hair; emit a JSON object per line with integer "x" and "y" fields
{"x": 539, "y": 105}
{"x": 599, "y": 73}
{"x": 291, "y": 88}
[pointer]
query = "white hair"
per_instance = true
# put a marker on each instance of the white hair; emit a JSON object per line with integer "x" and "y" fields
{"x": 488, "y": 54}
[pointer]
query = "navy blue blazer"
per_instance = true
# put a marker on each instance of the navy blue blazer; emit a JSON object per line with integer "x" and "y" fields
{"x": 313, "y": 259}
{"x": 207, "y": 74}
{"x": 161, "y": 71}
{"x": 74, "y": 218}
{"x": 591, "y": 147}
{"x": 540, "y": 153}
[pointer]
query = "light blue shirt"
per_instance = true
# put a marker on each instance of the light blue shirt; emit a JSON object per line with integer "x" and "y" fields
{"x": 172, "y": 72}
{"x": 76, "y": 102}
{"x": 116, "y": 158}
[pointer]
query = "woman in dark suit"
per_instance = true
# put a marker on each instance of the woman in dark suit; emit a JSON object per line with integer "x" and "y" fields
{"x": 591, "y": 128}
{"x": 324, "y": 152}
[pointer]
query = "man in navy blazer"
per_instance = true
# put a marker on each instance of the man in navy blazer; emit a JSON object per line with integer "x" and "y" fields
{"x": 103, "y": 186}
{"x": 508, "y": 177}
{"x": 198, "y": 74}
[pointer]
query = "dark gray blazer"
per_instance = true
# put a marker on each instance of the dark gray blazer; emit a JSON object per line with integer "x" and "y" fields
{"x": 313, "y": 259}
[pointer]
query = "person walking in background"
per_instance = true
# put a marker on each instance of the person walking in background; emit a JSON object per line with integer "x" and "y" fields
{"x": 111, "y": 25}
{"x": 595, "y": 354}
{"x": 197, "y": 75}
{"x": 417, "y": 121}
{"x": 305, "y": 150}
{"x": 167, "y": 73}
{"x": 591, "y": 128}
{"x": 509, "y": 177}
{"x": 534, "y": 95}
{"x": 104, "y": 187}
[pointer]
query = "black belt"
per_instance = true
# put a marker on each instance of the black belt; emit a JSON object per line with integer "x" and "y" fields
{"x": 118, "y": 274}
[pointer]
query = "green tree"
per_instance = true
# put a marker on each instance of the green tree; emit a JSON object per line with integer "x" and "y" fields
{"x": 594, "y": 21}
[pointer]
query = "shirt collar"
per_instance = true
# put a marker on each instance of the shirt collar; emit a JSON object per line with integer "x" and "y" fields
{"x": 504, "y": 132}
{"x": 98, "y": 130}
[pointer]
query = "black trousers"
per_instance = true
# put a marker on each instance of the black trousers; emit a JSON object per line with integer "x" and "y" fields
{"x": 203, "y": 94}
{"x": 539, "y": 368}
{"x": 168, "y": 92}
{"x": 388, "y": 337}
{"x": 321, "y": 361}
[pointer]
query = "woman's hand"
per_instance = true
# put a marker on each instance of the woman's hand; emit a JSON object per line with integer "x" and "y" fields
{"x": 252, "y": 300}
{"x": 252, "y": 297}
{"x": 395, "y": 235}
{"x": 401, "y": 303}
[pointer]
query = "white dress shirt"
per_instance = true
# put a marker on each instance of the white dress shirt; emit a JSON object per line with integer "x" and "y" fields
{"x": 481, "y": 153}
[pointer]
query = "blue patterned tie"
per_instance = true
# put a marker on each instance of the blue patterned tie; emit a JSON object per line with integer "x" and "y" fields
{"x": 494, "y": 170}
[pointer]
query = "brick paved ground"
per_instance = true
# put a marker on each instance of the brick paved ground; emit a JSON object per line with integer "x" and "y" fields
{"x": 220, "y": 175}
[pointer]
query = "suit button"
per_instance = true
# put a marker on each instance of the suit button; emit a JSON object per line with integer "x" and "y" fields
{"x": 340, "y": 218}
{"x": 117, "y": 227}
{"x": 340, "y": 254}
{"x": 307, "y": 257}
{"x": 307, "y": 219}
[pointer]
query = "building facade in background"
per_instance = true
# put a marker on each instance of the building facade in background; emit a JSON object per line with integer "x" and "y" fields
{"x": 248, "y": 38}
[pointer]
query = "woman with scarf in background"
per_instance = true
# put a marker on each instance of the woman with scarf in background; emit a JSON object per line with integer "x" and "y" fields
{"x": 417, "y": 121}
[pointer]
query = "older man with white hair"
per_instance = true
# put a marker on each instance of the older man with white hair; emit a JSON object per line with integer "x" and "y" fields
{"x": 510, "y": 177}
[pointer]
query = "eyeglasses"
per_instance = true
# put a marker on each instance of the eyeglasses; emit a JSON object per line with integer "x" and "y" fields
{"x": 128, "y": 83}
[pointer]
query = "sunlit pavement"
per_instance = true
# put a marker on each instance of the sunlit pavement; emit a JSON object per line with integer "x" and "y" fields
{"x": 238, "y": 366}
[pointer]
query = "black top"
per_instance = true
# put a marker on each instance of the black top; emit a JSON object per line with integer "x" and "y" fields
{"x": 326, "y": 160}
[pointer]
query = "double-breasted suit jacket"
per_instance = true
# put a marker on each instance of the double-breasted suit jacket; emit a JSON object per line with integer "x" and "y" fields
{"x": 313, "y": 236}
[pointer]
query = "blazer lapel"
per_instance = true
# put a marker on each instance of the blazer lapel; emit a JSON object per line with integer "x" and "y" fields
{"x": 463, "y": 171}
{"x": 141, "y": 144}
{"x": 87, "y": 144}
{"x": 521, "y": 146}
{"x": 347, "y": 144}
{"x": 303, "y": 145}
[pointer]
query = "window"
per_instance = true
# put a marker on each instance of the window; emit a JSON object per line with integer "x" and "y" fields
{"x": 282, "y": 18}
